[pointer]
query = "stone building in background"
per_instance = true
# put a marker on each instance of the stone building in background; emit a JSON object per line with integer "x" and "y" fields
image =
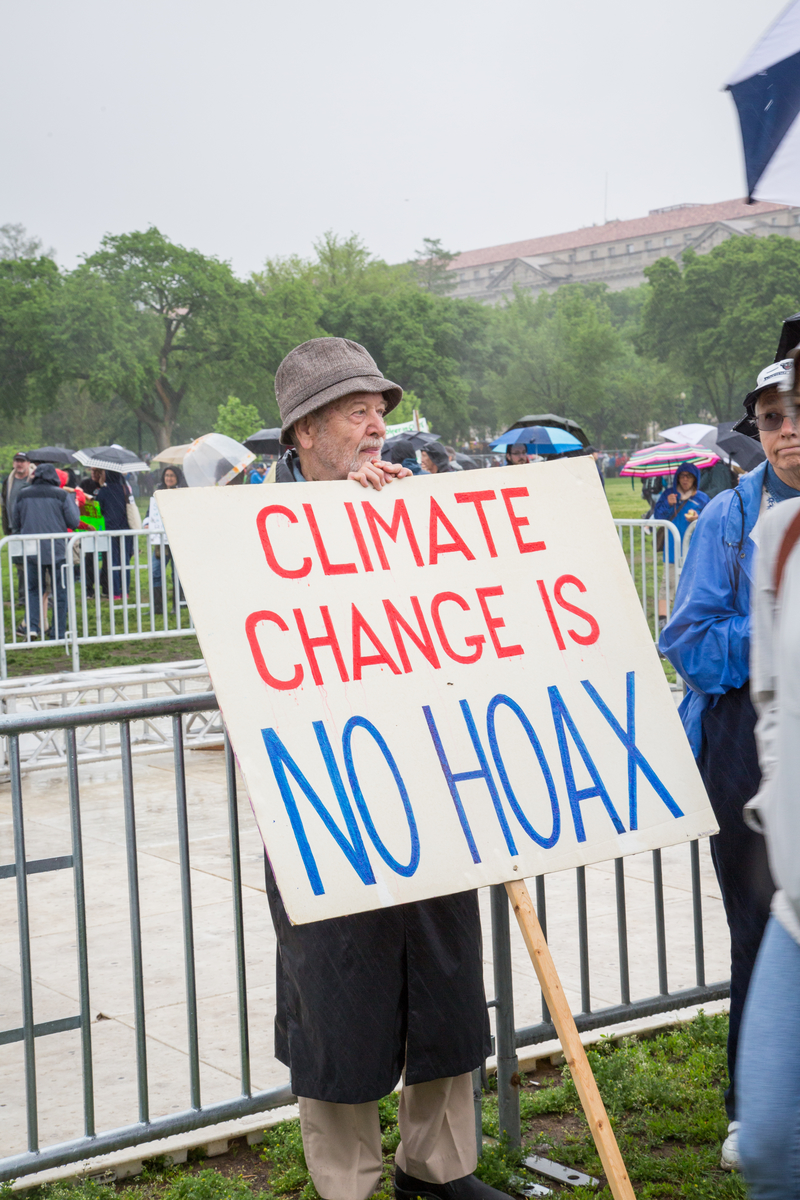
{"x": 615, "y": 253}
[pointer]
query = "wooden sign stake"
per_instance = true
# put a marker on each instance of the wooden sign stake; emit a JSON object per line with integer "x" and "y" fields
{"x": 571, "y": 1043}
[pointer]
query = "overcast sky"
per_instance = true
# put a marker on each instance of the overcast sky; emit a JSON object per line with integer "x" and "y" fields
{"x": 245, "y": 128}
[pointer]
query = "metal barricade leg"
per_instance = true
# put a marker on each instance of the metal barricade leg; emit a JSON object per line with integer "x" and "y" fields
{"x": 507, "y": 1062}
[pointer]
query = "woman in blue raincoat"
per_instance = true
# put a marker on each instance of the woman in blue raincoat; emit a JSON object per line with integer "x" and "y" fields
{"x": 681, "y": 504}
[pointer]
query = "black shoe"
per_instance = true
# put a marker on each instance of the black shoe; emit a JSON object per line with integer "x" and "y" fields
{"x": 469, "y": 1187}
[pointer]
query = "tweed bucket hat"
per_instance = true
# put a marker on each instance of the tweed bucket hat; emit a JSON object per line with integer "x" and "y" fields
{"x": 322, "y": 370}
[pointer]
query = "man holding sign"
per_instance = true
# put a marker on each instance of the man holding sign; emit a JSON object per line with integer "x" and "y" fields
{"x": 364, "y": 998}
{"x": 431, "y": 685}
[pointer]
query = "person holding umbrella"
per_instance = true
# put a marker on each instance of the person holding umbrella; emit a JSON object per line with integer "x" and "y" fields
{"x": 114, "y": 497}
{"x": 516, "y": 454}
{"x": 681, "y": 504}
{"x": 707, "y": 640}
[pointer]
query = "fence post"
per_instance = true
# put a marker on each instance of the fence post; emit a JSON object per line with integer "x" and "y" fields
{"x": 72, "y": 603}
{"x": 507, "y": 1062}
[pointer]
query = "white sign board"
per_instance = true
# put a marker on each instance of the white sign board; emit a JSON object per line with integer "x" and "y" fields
{"x": 443, "y": 685}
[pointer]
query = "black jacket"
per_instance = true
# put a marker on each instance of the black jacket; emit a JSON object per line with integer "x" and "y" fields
{"x": 10, "y": 520}
{"x": 43, "y": 507}
{"x": 361, "y": 997}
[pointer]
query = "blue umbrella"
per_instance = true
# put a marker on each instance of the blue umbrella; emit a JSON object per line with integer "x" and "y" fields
{"x": 766, "y": 92}
{"x": 539, "y": 439}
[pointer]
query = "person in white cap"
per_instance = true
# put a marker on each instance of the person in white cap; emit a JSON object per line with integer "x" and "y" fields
{"x": 707, "y": 640}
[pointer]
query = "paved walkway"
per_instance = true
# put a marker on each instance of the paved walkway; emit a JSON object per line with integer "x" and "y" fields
{"x": 54, "y": 950}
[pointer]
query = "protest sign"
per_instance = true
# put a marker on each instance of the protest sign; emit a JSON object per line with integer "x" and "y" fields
{"x": 440, "y": 686}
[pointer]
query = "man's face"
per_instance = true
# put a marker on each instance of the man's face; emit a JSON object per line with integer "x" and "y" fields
{"x": 517, "y": 453}
{"x": 781, "y": 445}
{"x": 342, "y": 436}
{"x": 22, "y": 468}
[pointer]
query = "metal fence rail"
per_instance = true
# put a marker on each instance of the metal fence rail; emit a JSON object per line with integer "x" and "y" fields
{"x": 88, "y": 588}
{"x": 44, "y": 749}
{"x": 196, "y": 1114}
{"x": 114, "y": 587}
{"x": 640, "y": 543}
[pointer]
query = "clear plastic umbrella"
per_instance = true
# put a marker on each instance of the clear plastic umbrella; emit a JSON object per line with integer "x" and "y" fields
{"x": 214, "y": 460}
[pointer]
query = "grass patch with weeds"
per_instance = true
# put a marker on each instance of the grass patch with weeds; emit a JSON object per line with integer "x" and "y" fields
{"x": 663, "y": 1095}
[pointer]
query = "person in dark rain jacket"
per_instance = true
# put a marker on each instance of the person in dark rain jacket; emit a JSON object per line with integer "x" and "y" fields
{"x": 113, "y": 500}
{"x": 44, "y": 507}
{"x": 364, "y": 999}
{"x": 707, "y": 640}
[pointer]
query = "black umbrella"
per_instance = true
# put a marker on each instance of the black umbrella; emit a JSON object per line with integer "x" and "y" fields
{"x": 790, "y": 336}
{"x": 418, "y": 439}
{"x": 111, "y": 458}
{"x": 266, "y": 441}
{"x": 467, "y": 461}
{"x": 744, "y": 450}
{"x": 51, "y": 454}
{"x": 554, "y": 422}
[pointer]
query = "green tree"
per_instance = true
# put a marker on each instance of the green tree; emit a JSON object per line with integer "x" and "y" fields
{"x": 431, "y": 266}
{"x": 30, "y": 363}
{"x": 15, "y": 243}
{"x": 557, "y": 350}
{"x": 237, "y": 420}
{"x": 717, "y": 320}
{"x": 149, "y": 321}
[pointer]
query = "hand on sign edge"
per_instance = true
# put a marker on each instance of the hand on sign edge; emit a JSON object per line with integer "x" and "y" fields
{"x": 378, "y": 473}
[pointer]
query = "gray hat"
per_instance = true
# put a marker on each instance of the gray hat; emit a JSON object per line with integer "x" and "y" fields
{"x": 322, "y": 370}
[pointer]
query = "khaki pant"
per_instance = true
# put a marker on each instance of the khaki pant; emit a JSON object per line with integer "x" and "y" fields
{"x": 342, "y": 1142}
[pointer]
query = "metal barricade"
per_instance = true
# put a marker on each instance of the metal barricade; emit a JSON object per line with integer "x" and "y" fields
{"x": 654, "y": 579}
{"x": 107, "y": 587}
{"x": 34, "y": 581}
{"x": 79, "y": 942}
{"x": 119, "y": 590}
{"x": 115, "y": 588}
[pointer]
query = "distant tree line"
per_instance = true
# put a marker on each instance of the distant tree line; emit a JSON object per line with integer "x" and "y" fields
{"x": 146, "y": 340}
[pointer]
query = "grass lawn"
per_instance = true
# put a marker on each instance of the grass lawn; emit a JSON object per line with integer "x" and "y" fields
{"x": 44, "y": 660}
{"x": 663, "y": 1095}
{"x": 626, "y": 502}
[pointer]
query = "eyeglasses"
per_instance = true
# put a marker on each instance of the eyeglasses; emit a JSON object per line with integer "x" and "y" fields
{"x": 770, "y": 422}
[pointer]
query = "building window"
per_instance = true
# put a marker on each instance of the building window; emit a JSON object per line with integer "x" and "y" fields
{"x": 630, "y": 247}
{"x": 572, "y": 258}
{"x": 476, "y": 274}
{"x": 610, "y": 251}
{"x": 648, "y": 244}
{"x": 593, "y": 253}
{"x": 773, "y": 220}
{"x": 797, "y": 218}
{"x": 667, "y": 241}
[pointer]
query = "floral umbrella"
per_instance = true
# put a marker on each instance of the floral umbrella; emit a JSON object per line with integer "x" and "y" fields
{"x": 666, "y": 458}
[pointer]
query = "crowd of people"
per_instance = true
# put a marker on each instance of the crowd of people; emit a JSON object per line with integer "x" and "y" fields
{"x": 732, "y": 641}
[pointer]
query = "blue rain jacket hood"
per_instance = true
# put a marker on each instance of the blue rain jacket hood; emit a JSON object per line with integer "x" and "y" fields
{"x": 664, "y": 511}
{"x": 707, "y": 638}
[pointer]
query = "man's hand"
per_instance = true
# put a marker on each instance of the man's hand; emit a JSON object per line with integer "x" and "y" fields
{"x": 377, "y": 474}
{"x": 673, "y": 499}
